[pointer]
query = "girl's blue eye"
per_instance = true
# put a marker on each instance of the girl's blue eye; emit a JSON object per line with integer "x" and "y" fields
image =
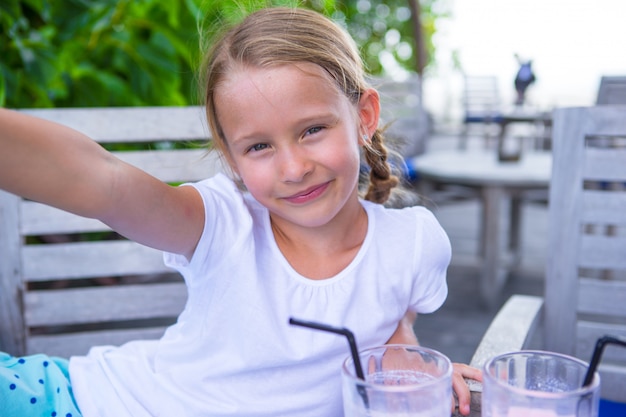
{"x": 258, "y": 147}
{"x": 314, "y": 130}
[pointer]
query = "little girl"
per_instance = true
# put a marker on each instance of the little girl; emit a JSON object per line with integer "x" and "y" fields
{"x": 284, "y": 235}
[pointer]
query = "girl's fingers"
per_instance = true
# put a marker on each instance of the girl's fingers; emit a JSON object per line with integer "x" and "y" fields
{"x": 459, "y": 386}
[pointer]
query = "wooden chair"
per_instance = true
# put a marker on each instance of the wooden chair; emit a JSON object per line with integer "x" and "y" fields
{"x": 403, "y": 112}
{"x": 481, "y": 106}
{"x": 612, "y": 90}
{"x": 585, "y": 283}
{"x": 68, "y": 283}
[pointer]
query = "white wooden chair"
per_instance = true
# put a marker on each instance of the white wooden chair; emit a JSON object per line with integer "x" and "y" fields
{"x": 612, "y": 90}
{"x": 68, "y": 283}
{"x": 482, "y": 106}
{"x": 585, "y": 283}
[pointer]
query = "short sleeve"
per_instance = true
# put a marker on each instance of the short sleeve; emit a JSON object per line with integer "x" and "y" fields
{"x": 434, "y": 252}
{"x": 227, "y": 222}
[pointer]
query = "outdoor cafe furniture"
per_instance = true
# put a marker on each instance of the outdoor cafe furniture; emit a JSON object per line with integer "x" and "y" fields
{"x": 540, "y": 121}
{"x": 497, "y": 183}
{"x": 585, "y": 281}
{"x": 612, "y": 90}
{"x": 585, "y": 289}
{"x": 481, "y": 105}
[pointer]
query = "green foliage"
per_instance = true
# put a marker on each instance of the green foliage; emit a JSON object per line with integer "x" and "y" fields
{"x": 82, "y": 53}
{"x": 97, "y": 52}
{"x": 384, "y": 31}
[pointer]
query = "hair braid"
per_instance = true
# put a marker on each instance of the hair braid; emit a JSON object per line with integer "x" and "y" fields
{"x": 381, "y": 178}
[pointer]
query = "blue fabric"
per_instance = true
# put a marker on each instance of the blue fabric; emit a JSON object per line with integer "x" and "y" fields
{"x": 612, "y": 409}
{"x": 36, "y": 385}
{"x": 410, "y": 171}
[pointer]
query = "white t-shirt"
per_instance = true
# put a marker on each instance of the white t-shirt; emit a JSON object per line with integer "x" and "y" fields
{"x": 232, "y": 351}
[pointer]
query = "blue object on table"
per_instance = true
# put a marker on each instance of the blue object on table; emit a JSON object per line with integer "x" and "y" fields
{"x": 612, "y": 409}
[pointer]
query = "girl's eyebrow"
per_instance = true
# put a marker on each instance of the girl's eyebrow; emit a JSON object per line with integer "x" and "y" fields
{"x": 328, "y": 117}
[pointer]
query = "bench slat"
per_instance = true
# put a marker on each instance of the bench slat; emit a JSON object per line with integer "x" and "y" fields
{"x": 89, "y": 260}
{"x": 604, "y": 164}
{"x": 40, "y": 219}
{"x": 183, "y": 165}
{"x": 88, "y": 305}
{"x": 604, "y": 297}
{"x": 601, "y": 251}
{"x": 131, "y": 124}
{"x": 588, "y": 332}
{"x": 72, "y": 344}
{"x": 604, "y": 207}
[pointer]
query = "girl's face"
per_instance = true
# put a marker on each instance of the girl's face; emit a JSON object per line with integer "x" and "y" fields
{"x": 294, "y": 140}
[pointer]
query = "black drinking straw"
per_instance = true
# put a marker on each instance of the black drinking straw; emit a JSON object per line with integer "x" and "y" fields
{"x": 343, "y": 331}
{"x": 353, "y": 349}
{"x": 597, "y": 354}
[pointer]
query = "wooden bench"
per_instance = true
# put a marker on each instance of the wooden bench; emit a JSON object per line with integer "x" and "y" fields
{"x": 69, "y": 283}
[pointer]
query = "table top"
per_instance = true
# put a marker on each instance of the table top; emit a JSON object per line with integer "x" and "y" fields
{"x": 526, "y": 115}
{"x": 481, "y": 167}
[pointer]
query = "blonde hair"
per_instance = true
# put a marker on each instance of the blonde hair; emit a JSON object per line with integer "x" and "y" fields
{"x": 279, "y": 36}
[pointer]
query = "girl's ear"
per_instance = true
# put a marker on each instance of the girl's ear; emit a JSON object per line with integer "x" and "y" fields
{"x": 369, "y": 112}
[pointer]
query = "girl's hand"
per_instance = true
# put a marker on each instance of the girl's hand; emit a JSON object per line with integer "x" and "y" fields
{"x": 404, "y": 334}
{"x": 459, "y": 386}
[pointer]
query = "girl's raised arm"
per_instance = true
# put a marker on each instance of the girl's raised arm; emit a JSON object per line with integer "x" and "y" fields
{"x": 56, "y": 165}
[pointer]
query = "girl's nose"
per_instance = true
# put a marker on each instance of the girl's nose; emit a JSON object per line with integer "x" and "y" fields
{"x": 294, "y": 164}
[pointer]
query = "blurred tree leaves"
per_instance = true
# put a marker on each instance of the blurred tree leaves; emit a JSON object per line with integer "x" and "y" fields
{"x": 81, "y": 53}
{"x": 384, "y": 32}
{"x": 97, "y": 52}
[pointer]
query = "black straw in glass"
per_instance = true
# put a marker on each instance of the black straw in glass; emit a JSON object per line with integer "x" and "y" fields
{"x": 354, "y": 351}
{"x": 342, "y": 331}
{"x": 597, "y": 354}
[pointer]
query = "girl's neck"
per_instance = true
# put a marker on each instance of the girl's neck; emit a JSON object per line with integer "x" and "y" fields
{"x": 322, "y": 252}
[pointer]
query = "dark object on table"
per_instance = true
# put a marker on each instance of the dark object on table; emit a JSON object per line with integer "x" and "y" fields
{"x": 524, "y": 78}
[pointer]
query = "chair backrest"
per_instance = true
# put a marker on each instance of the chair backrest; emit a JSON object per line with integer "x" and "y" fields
{"x": 612, "y": 90}
{"x": 68, "y": 283}
{"x": 585, "y": 293}
{"x": 481, "y": 99}
{"x": 403, "y": 111}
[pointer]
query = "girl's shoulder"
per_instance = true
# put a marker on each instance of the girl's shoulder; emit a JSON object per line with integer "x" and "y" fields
{"x": 402, "y": 215}
{"x": 414, "y": 223}
{"x": 218, "y": 183}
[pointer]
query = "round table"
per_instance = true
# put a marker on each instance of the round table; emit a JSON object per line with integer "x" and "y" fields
{"x": 496, "y": 182}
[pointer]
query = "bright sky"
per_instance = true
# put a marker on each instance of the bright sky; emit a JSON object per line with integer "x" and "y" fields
{"x": 571, "y": 43}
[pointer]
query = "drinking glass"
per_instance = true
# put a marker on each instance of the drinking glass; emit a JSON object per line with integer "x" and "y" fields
{"x": 538, "y": 384}
{"x": 399, "y": 381}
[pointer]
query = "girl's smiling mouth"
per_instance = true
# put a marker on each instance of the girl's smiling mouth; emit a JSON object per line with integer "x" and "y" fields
{"x": 308, "y": 194}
